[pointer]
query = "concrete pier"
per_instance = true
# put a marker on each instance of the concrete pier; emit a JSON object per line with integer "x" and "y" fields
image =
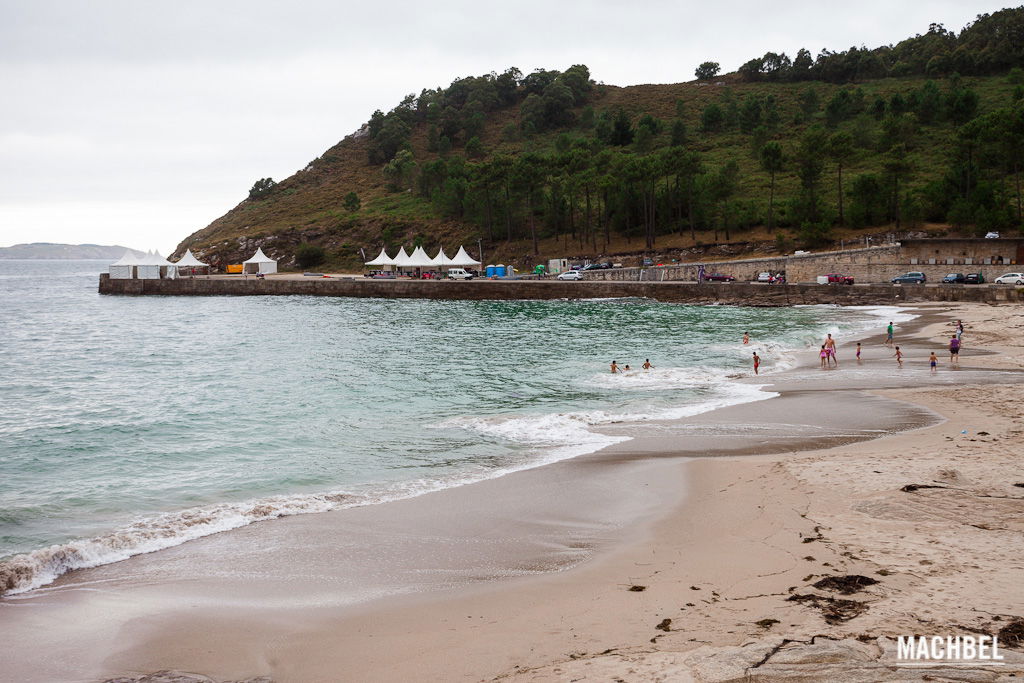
{"x": 735, "y": 293}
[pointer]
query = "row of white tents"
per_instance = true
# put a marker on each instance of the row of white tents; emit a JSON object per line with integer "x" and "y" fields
{"x": 153, "y": 266}
{"x": 419, "y": 259}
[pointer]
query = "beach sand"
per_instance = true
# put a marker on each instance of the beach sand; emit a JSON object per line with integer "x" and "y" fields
{"x": 637, "y": 563}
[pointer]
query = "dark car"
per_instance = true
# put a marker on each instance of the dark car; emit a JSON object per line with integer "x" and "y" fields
{"x": 913, "y": 277}
{"x": 597, "y": 266}
{"x": 974, "y": 279}
{"x": 839, "y": 279}
{"x": 954, "y": 279}
{"x": 719, "y": 277}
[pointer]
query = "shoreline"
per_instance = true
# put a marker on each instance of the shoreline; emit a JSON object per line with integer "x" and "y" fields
{"x": 288, "y": 642}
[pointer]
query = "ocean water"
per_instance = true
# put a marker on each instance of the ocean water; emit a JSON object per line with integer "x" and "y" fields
{"x": 131, "y": 424}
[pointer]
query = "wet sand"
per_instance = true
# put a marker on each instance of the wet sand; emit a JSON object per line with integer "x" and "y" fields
{"x": 527, "y": 577}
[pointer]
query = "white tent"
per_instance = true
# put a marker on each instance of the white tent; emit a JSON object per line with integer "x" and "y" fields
{"x": 441, "y": 260}
{"x": 382, "y": 260}
{"x": 419, "y": 259}
{"x": 463, "y": 259}
{"x": 154, "y": 266}
{"x": 124, "y": 267}
{"x": 259, "y": 263}
{"x": 188, "y": 263}
{"x": 401, "y": 258}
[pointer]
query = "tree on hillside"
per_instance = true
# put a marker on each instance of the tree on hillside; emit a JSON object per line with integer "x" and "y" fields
{"x": 773, "y": 161}
{"x": 261, "y": 188}
{"x": 622, "y": 131}
{"x": 351, "y": 202}
{"x": 840, "y": 150}
{"x": 707, "y": 70}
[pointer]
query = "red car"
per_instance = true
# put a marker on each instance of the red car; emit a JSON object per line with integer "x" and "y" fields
{"x": 719, "y": 277}
{"x": 839, "y": 279}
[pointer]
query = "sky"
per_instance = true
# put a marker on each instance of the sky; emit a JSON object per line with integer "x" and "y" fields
{"x": 137, "y": 122}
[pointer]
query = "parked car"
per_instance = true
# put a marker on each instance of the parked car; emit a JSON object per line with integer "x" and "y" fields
{"x": 839, "y": 279}
{"x": 954, "y": 279}
{"x": 913, "y": 277}
{"x": 1010, "y": 279}
{"x": 974, "y": 279}
{"x": 991, "y": 235}
{"x": 380, "y": 274}
{"x": 459, "y": 274}
{"x": 597, "y": 266}
{"x": 570, "y": 275}
{"x": 764, "y": 277}
{"x": 719, "y": 277}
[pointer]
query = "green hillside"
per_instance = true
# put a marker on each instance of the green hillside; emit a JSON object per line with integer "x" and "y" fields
{"x": 927, "y": 134}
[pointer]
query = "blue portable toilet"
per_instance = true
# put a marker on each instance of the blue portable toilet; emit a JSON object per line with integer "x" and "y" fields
{"x": 489, "y": 272}
{"x": 499, "y": 270}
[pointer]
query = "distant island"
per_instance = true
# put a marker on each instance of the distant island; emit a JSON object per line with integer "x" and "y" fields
{"x": 48, "y": 250}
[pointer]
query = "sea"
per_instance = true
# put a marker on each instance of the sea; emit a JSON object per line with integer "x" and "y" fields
{"x": 132, "y": 424}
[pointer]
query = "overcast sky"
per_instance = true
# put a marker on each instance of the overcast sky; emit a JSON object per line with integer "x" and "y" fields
{"x": 137, "y": 122}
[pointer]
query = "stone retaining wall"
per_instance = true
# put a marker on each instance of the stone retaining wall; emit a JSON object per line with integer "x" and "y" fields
{"x": 739, "y": 293}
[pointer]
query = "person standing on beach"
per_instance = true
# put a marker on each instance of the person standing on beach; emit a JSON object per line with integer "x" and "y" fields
{"x": 615, "y": 367}
{"x": 933, "y": 360}
{"x": 959, "y": 328}
{"x": 888, "y": 334}
{"x": 746, "y": 338}
{"x": 647, "y": 364}
{"x": 757, "y": 362}
{"x": 830, "y": 348}
{"x": 858, "y": 352}
{"x": 954, "y": 350}
{"x": 824, "y": 356}
{"x": 899, "y": 357}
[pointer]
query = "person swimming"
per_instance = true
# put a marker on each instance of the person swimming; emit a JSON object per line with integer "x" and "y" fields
{"x": 647, "y": 364}
{"x": 615, "y": 367}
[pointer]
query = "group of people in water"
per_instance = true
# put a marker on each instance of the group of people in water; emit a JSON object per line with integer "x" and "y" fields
{"x": 620, "y": 370}
{"x": 828, "y": 357}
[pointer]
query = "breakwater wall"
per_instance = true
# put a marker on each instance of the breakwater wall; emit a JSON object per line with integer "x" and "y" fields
{"x": 736, "y": 293}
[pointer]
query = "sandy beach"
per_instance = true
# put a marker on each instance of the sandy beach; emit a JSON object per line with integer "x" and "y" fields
{"x": 775, "y": 540}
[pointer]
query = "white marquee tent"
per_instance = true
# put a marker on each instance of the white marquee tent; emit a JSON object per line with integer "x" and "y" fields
{"x": 259, "y": 263}
{"x": 463, "y": 259}
{"x": 124, "y": 267}
{"x": 190, "y": 261}
{"x": 441, "y": 260}
{"x": 382, "y": 260}
{"x": 154, "y": 266}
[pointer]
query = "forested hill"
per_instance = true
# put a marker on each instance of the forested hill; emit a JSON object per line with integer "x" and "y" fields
{"x": 927, "y": 133}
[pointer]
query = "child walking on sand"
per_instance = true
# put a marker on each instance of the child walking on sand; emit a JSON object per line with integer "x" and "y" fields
{"x": 824, "y": 357}
{"x": 899, "y": 357}
{"x": 933, "y": 360}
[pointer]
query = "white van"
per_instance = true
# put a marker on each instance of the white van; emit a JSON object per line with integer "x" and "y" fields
{"x": 459, "y": 274}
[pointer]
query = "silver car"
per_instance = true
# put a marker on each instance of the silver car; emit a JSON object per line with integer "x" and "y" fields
{"x": 1010, "y": 279}
{"x": 570, "y": 275}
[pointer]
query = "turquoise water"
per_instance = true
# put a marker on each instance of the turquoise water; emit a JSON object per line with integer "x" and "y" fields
{"x": 131, "y": 424}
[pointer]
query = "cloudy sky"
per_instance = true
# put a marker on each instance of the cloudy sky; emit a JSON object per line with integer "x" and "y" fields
{"x": 137, "y": 122}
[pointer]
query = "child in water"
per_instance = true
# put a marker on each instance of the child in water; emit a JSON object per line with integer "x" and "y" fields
{"x": 615, "y": 367}
{"x": 647, "y": 364}
{"x": 746, "y": 337}
{"x": 824, "y": 357}
{"x": 757, "y": 362}
{"x": 933, "y": 360}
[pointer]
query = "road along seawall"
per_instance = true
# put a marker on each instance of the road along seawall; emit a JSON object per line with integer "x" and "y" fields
{"x": 736, "y": 293}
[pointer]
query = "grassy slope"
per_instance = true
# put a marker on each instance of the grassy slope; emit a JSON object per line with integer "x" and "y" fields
{"x": 307, "y": 207}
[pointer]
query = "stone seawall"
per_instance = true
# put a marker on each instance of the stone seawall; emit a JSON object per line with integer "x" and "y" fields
{"x": 738, "y": 293}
